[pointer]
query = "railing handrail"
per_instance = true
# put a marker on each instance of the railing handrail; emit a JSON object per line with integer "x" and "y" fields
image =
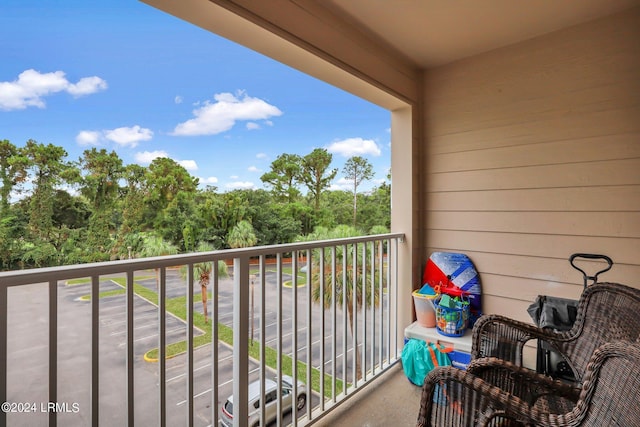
{"x": 63, "y": 272}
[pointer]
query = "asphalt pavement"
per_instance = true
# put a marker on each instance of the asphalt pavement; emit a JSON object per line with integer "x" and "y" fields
{"x": 27, "y": 376}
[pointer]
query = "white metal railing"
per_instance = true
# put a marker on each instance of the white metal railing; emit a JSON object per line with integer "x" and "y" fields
{"x": 317, "y": 322}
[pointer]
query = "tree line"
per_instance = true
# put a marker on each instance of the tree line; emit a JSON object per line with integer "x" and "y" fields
{"x": 96, "y": 208}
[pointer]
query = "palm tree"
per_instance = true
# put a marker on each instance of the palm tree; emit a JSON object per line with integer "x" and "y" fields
{"x": 345, "y": 292}
{"x": 202, "y": 272}
{"x": 156, "y": 246}
{"x": 242, "y": 235}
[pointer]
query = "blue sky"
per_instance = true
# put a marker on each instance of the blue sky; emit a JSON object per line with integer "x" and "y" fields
{"x": 124, "y": 76}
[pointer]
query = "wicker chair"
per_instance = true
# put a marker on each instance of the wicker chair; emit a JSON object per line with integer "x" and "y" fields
{"x": 607, "y": 312}
{"x": 608, "y": 397}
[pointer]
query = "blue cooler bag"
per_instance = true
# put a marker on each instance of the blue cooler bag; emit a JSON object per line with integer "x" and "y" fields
{"x": 419, "y": 357}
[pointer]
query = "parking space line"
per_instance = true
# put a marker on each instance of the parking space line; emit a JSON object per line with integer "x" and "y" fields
{"x": 135, "y": 318}
{"x": 210, "y": 389}
{"x": 200, "y": 368}
{"x": 135, "y": 329}
{"x": 152, "y": 336}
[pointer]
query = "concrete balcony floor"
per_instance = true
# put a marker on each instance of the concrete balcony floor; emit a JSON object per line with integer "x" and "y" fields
{"x": 390, "y": 400}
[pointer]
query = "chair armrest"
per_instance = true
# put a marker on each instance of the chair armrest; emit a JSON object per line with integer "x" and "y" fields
{"x": 530, "y": 386}
{"x": 504, "y": 338}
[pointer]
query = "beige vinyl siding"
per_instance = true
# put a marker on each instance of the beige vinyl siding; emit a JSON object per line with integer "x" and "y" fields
{"x": 532, "y": 153}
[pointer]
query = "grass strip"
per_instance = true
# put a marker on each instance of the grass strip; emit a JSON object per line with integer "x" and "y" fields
{"x": 177, "y": 307}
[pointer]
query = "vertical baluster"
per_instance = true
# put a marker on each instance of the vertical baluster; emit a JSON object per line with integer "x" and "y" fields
{"x": 373, "y": 306}
{"x": 309, "y": 332}
{"x": 395, "y": 300}
{"x": 334, "y": 325}
{"x": 162, "y": 350}
{"x": 354, "y": 311}
{"x": 263, "y": 344}
{"x": 279, "y": 289}
{"x": 390, "y": 267}
{"x": 214, "y": 344}
{"x": 381, "y": 276}
{"x": 345, "y": 309}
{"x": 130, "y": 347}
{"x": 294, "y": 331}
{"x": 95, "y": 348}
{"x": 364, "y": 299}
{"x": 189, "y": 364}
{"x": 53, "y": 347}
{"x": 3, "y": 350}
{"x": 321, "y": 275}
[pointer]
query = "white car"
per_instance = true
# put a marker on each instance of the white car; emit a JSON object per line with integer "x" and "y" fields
{"x": 270, "y": 399}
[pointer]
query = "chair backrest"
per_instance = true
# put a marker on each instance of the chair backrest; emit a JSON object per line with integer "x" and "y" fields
{"x": 607, "y": 312}
{"x": 611, "y": 389}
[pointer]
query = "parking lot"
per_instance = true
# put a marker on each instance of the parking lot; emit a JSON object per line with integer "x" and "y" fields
{"x": 28, "y": 351}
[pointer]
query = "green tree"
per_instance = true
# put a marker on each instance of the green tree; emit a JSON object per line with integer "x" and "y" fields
{"x": 234, "y": 208}
{"x": 152, "y": 246}
{"x": 165, "y": 178}
{"x": 12, "y": 172}
{"x": 316, "y": 174}
{"x": 49, "y": 168}
{"x": 242, "y": 235}
{"x": 202, "y": 273}
{"x": 12, "y": 226}
{"x": 69, "y": 236}
{"x": 285, "y": 172}
{"x": 272, "y": 222}
{"x": 131, "y": 206}
{"x": 356, "y": 170}
{"x": 177, "y": 222}
{"x": 133, "y": 203}
{"x": 375, "y": 208}
{"x": 210, "y": 211}
{"x": 99, "y": 184}
{"x": 336, "y": 208}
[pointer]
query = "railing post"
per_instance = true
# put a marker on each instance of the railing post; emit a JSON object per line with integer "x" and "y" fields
{"x": 189, "y": 367}
{"x": 130, "y": 350}
{"x": 162, "y": 350}
{"x": 240, "y": 339}
{"x": 95, "y": 350}
{"x": 3, "y": 351}
{"x": 53, "y": 349}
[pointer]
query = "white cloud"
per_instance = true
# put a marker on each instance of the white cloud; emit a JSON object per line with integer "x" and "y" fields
{"x": 239, "y": 185}
{"x": 128, "y": 136}
{"x": 341, "y": 184}
{"x": 222, "y": 115}
{"x": 146, "y": 157}
{"x": 209, "y": 180}
{"x": 253, "y": 169}
{"x": 32, "y": 86}
{"x": 234, "y": 177}
{"x": 177, "y": 99}
{"x": 253, "y": 126}
{"x": 189, "y": 165}
{"x": 88, "y": 137}
{"x": 354, "y": 147}
{"x": 86, "y": 86}
{"x": 261, "y": 156}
